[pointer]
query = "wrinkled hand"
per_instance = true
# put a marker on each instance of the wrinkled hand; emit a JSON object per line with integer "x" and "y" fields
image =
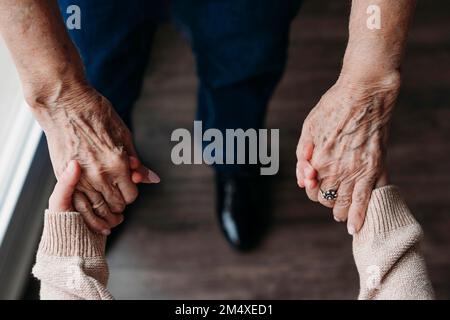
{"x": 82, "y": 125}
{"x": 61, "y": 197}
{"x": 342, "y": 145}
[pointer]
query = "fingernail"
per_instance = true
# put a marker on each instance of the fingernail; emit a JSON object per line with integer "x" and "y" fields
{"x": 106, "y": 232}
{"x": 351, "y": 230}
{"x": 153, "y": 177}
{"x": 336, "y": 219}
{"x": 71, "y": 166}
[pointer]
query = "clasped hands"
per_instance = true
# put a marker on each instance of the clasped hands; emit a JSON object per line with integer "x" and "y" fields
{"x": 81, "y": 125}
{"x": 342, "y": 146}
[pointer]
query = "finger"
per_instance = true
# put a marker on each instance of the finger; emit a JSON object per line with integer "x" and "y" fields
{"x": 102, "y": 210}
{"x": 61, "y": 198}
{"x": 98, "y": 203}
{"x": 129, "y": 146}
{"x": 113, "y": 219}
{"x": 304, "y": 152}
{"x": 115, "y": 201}
{"x": 144, "y": 175}
{"x": 305, "y": 145}
{"x": 360, "y": 201}
{"x": 140, "y": 173}
{"x": 312, "y": 188}
{"x": 308, "y": 171}
{"x": 308, "y": 150}
{"x": 128, "y": 189}
{"x": 304, "y": 168}
{"x": 343, "y": 201}
{"x": 134, "y": 162}
{"x": 327, "y": 184}
{"x": 109, "y": 194}
{"x": 148, "y": 175}
{"x": 383, "y": 180}
{"x": 83, "y": 206}
{"x": 299, "y": 175}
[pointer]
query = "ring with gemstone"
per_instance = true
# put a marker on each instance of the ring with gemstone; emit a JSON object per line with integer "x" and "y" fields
{"x": 329, "y": 195}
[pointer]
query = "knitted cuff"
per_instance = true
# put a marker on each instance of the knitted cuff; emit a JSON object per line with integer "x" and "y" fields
{"x": 387, "y": 211}
{"x": 66, "y": 234}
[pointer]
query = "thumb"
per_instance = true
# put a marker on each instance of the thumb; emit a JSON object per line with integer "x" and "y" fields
{"x": 305, "y": 145}
{"x": 61, "y": 198}
{"x": 305, "y": 149}
{"x": 140, "y": 173}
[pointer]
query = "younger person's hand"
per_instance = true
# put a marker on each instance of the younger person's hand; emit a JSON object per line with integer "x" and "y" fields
{"x": 61, "y": 198}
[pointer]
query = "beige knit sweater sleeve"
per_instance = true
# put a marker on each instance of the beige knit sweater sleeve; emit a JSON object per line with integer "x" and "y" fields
{"x": 387, "y": 251}
{"x": 70, "y": 262}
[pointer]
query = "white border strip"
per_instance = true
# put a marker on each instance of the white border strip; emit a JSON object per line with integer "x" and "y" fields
{"x": 15, "y": 161}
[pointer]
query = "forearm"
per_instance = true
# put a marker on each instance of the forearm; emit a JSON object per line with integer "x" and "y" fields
{"x": 45, "y": 57}
{"x": 387, "y": 251}
{"x": 71, "y": 262}
{"x": 371, "y": 52}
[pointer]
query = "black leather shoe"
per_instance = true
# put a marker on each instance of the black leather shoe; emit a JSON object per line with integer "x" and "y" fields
{"x": 242, "y": 208}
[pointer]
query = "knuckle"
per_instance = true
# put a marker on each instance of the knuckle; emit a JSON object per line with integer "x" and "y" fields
{"x": 95, "y": 224}
{"x": 96, "y": 169}
{"x": 323, "y": 164}
{"x": 117, "y": 207}
{"x": 132, "y": 195}
{"x": 92, "y": 222}
{"x": 340, "y": 213}
{"x": 344, "y": 201}
{"x": 118, "y": 219}
{"x": 374, "y": 162}
{"x": 118, "y": 163}
{"x": 81, "y": 206}
{"x": 102, "y": 211}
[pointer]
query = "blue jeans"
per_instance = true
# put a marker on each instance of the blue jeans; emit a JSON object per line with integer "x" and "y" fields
{"x": 240, "y": 48}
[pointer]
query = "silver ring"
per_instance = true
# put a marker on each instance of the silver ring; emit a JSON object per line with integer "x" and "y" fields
{"x": 329, "y": 195}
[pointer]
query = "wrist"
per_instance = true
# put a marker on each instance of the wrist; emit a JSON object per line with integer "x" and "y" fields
{"x": 388, "y": 80}
{"x": 53, "y": 102}
{"x": 45, "y": 85}
{"x": 368, "y": 64}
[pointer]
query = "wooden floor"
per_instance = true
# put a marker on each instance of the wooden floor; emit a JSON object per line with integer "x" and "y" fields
{"x": 171, "y": 247}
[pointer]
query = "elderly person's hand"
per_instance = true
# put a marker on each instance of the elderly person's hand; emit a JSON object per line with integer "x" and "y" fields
{"x": 81, "y": 124}
{"x": 61, "y": 199}
{"x": 343, "y": 141}
{"x": 342, "y": 145}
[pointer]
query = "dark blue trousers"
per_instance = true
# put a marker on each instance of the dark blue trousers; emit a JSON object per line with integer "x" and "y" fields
{"x": 240, "y": 48}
